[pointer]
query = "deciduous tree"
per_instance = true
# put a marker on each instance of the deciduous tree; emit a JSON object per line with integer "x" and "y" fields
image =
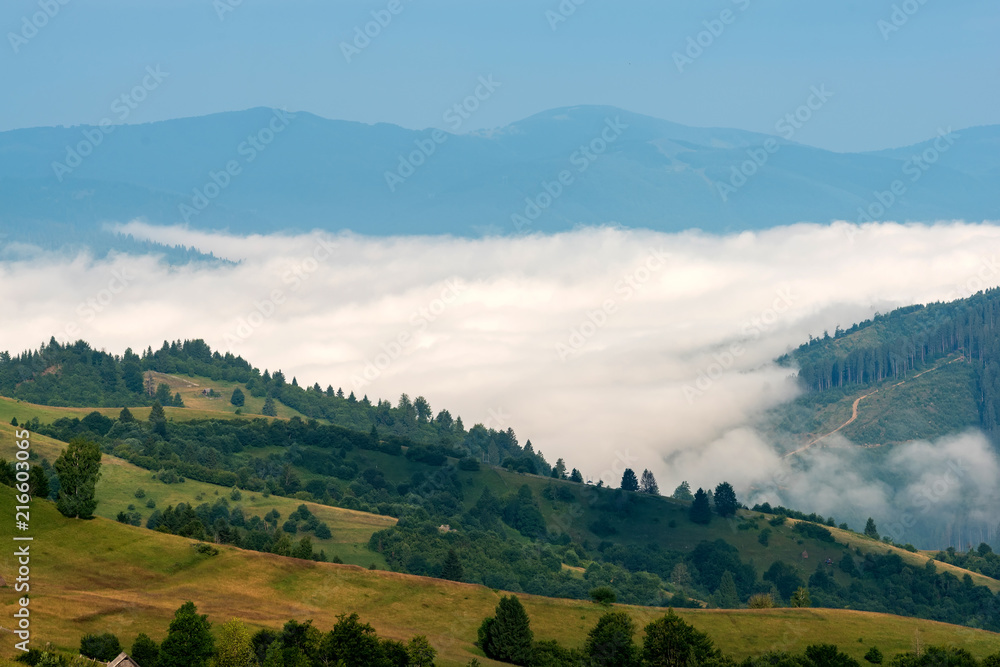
{"x": 79, "y": 468}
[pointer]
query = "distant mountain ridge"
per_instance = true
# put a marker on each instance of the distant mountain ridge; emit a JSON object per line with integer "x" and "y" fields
{"x": 263, "y": 170}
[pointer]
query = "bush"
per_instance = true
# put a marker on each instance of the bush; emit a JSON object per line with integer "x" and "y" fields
{"x": 104, "y": 647}
{"x": 140, "y": 493}
{"x": 814, "y": 531}
{"x": 603, "y": 595}
{"x": 468, "y": 463}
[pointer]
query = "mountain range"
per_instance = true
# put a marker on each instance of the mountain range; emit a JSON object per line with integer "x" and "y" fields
{"x": 265, "y": 170}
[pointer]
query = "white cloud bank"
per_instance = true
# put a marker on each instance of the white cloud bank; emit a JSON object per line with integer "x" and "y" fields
{"x": 595, "y": 344}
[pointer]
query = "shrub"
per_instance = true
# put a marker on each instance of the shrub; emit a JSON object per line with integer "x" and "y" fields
{"x": 104, "y": 647}
{"x": 603, "y": 595}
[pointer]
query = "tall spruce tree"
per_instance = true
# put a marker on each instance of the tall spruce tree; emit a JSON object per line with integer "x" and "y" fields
{"x": 451, "y": 569}
{"x": 726, "y": 596}
{"x": 629, "y": 480}
{"x": 647, "y": 484}
{"x": 507, "y": 636}
{"x": 701, "y": 511}
{"x": 158, "y": 419}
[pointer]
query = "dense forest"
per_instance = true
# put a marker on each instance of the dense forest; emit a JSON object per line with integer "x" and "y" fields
{"x": 77, "y": 375}
{"x": 898, "y": 344}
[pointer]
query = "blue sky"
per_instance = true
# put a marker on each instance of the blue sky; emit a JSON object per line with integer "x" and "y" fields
{"x": 940, "y": 68}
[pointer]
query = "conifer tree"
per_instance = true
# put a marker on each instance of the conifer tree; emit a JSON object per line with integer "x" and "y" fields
{"x": 870, "y": 529}
{"x": 726, "y": 596}
{"x": 682, "y": 492}
{"x": 647, "y": 484}
{"x": 452, "y": 569}
{"x": 701, "y": 511}
{"x": 507, "y": 636}
{"x": 629, "y": 480}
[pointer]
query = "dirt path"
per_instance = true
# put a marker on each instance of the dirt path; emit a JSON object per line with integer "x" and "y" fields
{"x": 854, "y": 407}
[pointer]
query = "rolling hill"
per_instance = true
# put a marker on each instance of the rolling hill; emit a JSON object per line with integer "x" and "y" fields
{"x": 101, "y": 576}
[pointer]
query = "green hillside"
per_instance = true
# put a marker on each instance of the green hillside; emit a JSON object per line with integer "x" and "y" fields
{"x": 925, "y": 371}
{"x": 101, "y": 576}
{"x": 407, "y": 490}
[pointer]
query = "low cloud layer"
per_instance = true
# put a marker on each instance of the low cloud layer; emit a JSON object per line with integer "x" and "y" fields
{"x": 599, "y": 345}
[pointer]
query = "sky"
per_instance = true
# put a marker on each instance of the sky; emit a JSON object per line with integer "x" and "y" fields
{"x": 897, "y": 70}
{"x": 609, "y": 348}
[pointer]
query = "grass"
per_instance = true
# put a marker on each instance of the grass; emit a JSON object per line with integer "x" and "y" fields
{"x": 120, "y": 479}
{"x": 97, "y": 576}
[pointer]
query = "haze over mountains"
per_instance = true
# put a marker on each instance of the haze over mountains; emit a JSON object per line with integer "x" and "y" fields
{"x": 277, "y": 172}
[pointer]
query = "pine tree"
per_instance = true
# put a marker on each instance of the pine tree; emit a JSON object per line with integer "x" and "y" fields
{"x": 701, "y": 511}
{"x": 238, "y": 399}
{"x": 726, "y": 503}
{"x": 189, "y": 641}
{"x": 575, "y": 476}
{"x": 126, "y": 416}
{"x": 452, "y": 569}
{"x": 79, "y": 468}
{"x": 507, "y": 636}
{"x": 647, "y": 484}
{"x": 158, "y": 419}
{"x": 683, "y": 492}
{"x": 870, "y": 529}
{"x": 269, "y": 409}
{"x": 629, "y": 480}
{"x": 560, "y": 469}
{"x": 726, "y": 596}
